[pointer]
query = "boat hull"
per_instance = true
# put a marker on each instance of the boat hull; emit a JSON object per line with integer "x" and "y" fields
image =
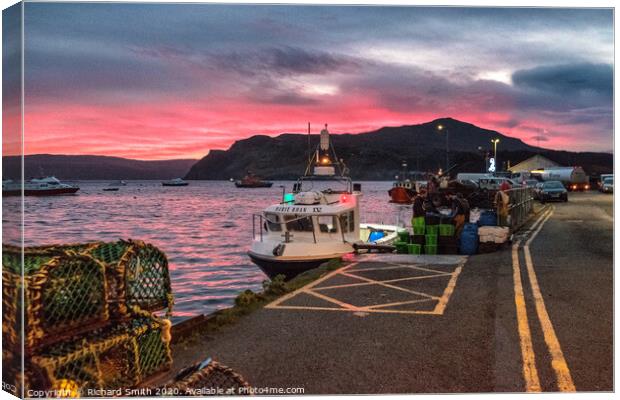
{"x": 401, "y": 195}
{"x": 273, "y": 267}
{"x": 40, "y": 192}
{"x": 254, "y": 185}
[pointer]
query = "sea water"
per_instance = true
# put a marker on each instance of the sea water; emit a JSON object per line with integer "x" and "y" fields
{"x": 205, "y": 229}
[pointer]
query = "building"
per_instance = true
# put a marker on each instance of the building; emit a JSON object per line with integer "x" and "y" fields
{"x": 533, "y": 163}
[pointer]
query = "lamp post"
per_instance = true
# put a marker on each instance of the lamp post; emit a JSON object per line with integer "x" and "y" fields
{"x": 495, "y": 142}
{"x": 441, "y": 128}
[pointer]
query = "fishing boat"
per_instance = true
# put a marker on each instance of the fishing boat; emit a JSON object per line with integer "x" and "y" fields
{"x": 403, "y": 190}
{"x": 252, "y": 181}
{"x": 317, "y": 222}
{"x": 175, "y": 182}
{"x": 48, "y": 186}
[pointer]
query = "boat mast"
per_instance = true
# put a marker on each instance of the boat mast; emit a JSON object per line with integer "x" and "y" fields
{"x": 324, "y": 156}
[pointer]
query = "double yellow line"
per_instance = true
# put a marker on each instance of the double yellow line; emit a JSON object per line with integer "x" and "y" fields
{"x": 558, "y": 363}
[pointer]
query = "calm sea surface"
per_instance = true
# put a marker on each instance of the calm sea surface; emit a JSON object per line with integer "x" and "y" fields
{"x": 204, "y": 228}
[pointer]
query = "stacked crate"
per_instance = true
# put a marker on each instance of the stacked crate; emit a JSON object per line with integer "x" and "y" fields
{"x": 88, "y": 319}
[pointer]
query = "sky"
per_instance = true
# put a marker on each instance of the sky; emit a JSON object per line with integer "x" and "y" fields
{"x": 159, "y": 81}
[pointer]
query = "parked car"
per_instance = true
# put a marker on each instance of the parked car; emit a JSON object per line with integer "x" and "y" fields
{"x": 530, "y": 183}
{"x": 608, "y": 185}
{"x": 552, "y": 190}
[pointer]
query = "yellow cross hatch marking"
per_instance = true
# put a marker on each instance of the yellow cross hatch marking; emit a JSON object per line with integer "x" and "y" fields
{"x": 349, "y": 271}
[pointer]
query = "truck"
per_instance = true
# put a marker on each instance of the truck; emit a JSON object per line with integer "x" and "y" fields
{"x": 573, "y": 178}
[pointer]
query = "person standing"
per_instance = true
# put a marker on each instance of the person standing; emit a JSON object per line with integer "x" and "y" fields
{"x": 460, "y": 213}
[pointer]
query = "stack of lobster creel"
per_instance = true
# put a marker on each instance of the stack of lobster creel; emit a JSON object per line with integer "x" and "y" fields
{"x": 88, "y": 317}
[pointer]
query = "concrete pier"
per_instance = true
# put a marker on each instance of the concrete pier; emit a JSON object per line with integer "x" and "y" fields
{"x": 536, "y": 316}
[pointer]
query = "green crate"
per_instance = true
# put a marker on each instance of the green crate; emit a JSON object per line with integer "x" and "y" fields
{"x": 430, "y": 249}
{"x": 401, "y": 247}
{"x": 403, "y": 236}
{"x": 418, "y": 230}
{"x": 431, "y": 240}
{"x": 446, "y": 230}
{"x": 414, "y": 248}
{"x": 418, "y": 221}
{"x": 432, "y": 229}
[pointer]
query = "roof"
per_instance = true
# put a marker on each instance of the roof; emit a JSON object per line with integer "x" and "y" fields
{"x": 532, "y": 163}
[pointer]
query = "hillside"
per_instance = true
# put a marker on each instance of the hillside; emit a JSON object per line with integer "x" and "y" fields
{"x": 377, "y": 155}
{"x": 93, "y": 167}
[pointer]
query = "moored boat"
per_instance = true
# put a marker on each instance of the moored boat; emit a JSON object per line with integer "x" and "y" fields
{"x": 252, "y": 181}
{"x": 403, "y": 190}
{"x": 175, "y": 182}
{"x": 114, "y": 186}
{"x": 48, "y": 186}
{"x": 317, "y": 222}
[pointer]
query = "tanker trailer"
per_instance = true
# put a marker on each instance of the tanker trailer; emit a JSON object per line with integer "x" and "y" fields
{"x": 573, "y": 178}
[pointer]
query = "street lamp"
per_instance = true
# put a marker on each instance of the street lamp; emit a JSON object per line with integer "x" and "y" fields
{"x": 441, "y": 128}
{"x": 495, "y": 142}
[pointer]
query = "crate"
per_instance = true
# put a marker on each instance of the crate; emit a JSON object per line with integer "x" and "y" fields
{"x": 418, "y": 221}
{"x": 430, "y": 249}
{"x": 64, "y": 293}
{"x": 419, "y": 230}
{"x": 414, "y": 249}
{"x": 403, "y": 236}
{"x": 401, "y": 247}
{"x": 431, "y": 240}
{"x": 447, "y": 241}
{"x": 446, "y": 230}
{"x": 447, "y": 249}
{"x": 418, "y": 239}
{"x": 110, "y": 358}
{"x": 432, "y": 229}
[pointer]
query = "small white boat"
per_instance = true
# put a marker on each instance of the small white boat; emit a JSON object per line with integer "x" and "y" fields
{"x": 114, "y": 186}
{"x": 175, "y": 182}
{"x": 318, "y": 222}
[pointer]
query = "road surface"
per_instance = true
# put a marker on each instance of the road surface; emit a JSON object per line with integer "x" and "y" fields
{"x": 536, "y": 316}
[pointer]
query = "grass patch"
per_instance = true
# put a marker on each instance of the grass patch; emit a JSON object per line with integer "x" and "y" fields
{"x": 249, "y": 301}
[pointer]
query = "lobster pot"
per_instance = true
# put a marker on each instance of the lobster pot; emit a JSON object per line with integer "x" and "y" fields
{"x": 64, "y": 293}
{"x": 214, "y": 378}
{"x": 139, "y": 275}
{"x": 110, "y": 359}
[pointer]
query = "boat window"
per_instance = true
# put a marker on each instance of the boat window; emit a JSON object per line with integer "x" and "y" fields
{"x": 327, "y": 223}
{"x": 295, "y": 223}
{"x": 273, "y": 222}
{"x": 347, "y": 221}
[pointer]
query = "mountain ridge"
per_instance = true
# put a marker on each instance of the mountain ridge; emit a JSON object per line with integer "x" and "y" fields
{"x": 378, "y": 154}
{"x": 93, "y": 167}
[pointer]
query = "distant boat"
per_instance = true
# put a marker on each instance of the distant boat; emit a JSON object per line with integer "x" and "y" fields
{"x": 252, "y": 181}
{"x": 114, "y": 186}
{"x": 403, "y": 190}
{"x": 175, "y": 182}
{"x": 48, "y": 186}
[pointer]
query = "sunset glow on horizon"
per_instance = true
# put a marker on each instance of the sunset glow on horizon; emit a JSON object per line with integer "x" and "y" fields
{"x": 163, "y": 81}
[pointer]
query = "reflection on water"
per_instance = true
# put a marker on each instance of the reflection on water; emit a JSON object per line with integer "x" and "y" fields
{"x": 204, "y": 228}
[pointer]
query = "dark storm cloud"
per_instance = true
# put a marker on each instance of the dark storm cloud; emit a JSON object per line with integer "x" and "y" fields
{"x": 568, "y": 79}
{"x": 285, "y": 61}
